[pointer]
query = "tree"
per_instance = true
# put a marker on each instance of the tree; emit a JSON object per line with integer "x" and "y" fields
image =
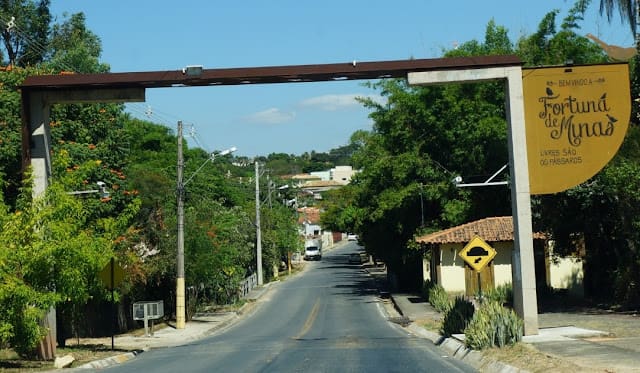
{"x": 550, "y": 47}
{"x": 10, "y": 132}
{"x": 628, "y": 10}
{"x": 25, "y": 31}
{"x": 423, "y": 137}
{"x": 280, "y": 235}
{"x": 75, "y": 48}
{"x": 23, "y": 304}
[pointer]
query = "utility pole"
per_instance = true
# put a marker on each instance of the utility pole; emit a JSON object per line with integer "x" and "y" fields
{"x": 180, "y": 284}
{"x": 258, "y": 233}
{"x": 180, "y": 298}
{"x": 269, "y": 189}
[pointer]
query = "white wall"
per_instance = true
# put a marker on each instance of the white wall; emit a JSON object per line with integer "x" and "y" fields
{"x": 342, "y": 174}
{"x": 502, "y": 263}
{"x": 451, "y": 268}
{"x": 566, "y": 273}
{"x": 563, "y": 273}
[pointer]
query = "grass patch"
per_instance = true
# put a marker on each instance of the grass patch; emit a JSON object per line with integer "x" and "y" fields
{"x": 295, "y": 268}
{"x": 525, "y": 356}
{"x": 432, "y": 325}
{"x": 83, "y": 353}
{"x": 11, "y": 362}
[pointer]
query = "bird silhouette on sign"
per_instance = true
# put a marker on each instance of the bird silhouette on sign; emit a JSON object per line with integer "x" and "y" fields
{"x": 549, "y": 92}
{"x": 611, "y": 119}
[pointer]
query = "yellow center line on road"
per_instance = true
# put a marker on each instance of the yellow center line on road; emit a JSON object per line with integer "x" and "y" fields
{"x": 310, "y": 319}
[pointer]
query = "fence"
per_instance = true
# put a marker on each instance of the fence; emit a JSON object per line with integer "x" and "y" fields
{"x": 247, "y": 284}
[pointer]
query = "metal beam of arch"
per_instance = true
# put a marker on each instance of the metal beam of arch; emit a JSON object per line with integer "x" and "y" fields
{"x": 263, "y": 75}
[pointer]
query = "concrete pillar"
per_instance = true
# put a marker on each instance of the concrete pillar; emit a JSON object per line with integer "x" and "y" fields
{"x": 36, "y": 140}
{"x": 523, "y": 267}
{"x": 39, "y": 141}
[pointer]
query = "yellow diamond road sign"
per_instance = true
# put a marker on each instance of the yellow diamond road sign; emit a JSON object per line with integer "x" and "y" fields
{"x": 106, "y": 274}
{"x": 477, "y": 253}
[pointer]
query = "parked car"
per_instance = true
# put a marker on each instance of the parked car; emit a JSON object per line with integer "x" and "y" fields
{"x": 312, "y": 253}
{"x": 352, "y": 237}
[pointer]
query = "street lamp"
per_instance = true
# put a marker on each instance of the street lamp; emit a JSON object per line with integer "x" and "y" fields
{"x": 180, "y": 289}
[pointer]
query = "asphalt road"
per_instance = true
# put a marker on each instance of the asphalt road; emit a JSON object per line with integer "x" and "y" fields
{"x": 327, "y": 319}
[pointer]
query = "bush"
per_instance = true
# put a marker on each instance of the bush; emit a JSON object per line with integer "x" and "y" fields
{"x": 458, "y": 318}
{"x": 426, "y": 286}
{"x": 439, "y": 298}
{"x": 493, "y": 325}
{"x": 502, "y": 294}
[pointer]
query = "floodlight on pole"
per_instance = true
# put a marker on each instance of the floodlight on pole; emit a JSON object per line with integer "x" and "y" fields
{"x": 212, "y": 157}
{"x": 180, "y": 285}
{"x": 489, "y": 182}
{"x": 192, "y": 70}
{"x": 104, "y": 193}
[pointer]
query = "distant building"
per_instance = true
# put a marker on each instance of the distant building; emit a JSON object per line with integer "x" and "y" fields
{"x": 318, "y": 186}
{"x": 309, "y": 221}
{"x": 342, "y": 174}
{"x": 323, "y": 175}
{"x": 309, "y": 226}
{"x": 298, "y": 180}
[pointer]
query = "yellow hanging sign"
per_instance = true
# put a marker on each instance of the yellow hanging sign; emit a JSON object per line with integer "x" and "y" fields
{"x": 576, "y": 118}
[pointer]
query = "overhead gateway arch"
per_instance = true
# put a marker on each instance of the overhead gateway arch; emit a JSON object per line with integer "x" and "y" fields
{"x": 40, "y": 92}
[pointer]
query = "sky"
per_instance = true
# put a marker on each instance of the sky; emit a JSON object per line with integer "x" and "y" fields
{"x": 153, "y": 35}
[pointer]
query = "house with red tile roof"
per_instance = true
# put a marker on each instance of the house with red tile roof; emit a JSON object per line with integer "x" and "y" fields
{"x": 309, "y": 226}
{"x": 448, "y": 263}
{"x": 309, "y": 221}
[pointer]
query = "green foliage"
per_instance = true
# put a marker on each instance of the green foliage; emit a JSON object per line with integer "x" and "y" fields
{"x": 550, "y": 47}
{"x": 10, "y": 130}
{"x": 74, "y": 47}
{"x": 281, "y": 164}
{"x": 23, "y": 309}
{"x": 25, "y": 295}
{"x": 279, "y": 235}
{"x": 502, "y": 294}
{"x": 457, "y": 317}
{"x": 426, "y": 288}
{"x": 32, "y": 18}
{"x": 421, "y": 139}
{"x": 439, "y": 299}
{"x": 601, "y": 216}
{"x": 627, "y": 10}
{"x": 218, "y": 243}
{"x": 493, "y": 325}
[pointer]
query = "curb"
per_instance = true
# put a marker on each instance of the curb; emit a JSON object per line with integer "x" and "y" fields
{"x": 113, "y": 360}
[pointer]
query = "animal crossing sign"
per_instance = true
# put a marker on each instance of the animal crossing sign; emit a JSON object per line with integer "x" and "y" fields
{"x": 477, "y": 253}
{"x": 576, "y": 118}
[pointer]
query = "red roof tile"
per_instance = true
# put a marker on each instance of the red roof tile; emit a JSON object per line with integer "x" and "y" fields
{"x": 309, "y": 214}
{"x": 495, "y": 229}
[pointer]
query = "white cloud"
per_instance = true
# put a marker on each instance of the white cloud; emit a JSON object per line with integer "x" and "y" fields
{"x": 271, "y": 116}
{"x": 338, "y": 102}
